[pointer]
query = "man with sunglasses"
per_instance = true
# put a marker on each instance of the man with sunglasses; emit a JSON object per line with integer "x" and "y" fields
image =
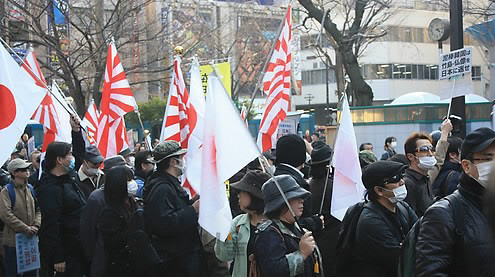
{"x": 384, "y": 221}
{"x": 455, "y": 238}
{"x": 420, "y": 152}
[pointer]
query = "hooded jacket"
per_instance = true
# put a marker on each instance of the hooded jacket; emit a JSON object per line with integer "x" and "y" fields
{"x": 437, "y": 251}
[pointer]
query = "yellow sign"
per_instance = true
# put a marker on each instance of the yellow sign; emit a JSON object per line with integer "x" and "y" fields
{"x": 223, "y": 70}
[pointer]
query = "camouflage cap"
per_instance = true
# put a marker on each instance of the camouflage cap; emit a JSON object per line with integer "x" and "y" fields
{"x": 166, "y": 149}
{"x": 367, "y": 156}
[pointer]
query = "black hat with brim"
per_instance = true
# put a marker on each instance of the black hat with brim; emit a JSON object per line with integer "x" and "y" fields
{"x": 252, "y": 183}
{"x": 271, "y": 194}
{"x": 376, "y": 173}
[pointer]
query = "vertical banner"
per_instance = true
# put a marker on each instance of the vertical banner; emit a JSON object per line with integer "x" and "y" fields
{"x": 130, "y": 139}
{"x": 223, "y": 70}
{"x": 31, "y": 146}
{"x": 28, "y": 254}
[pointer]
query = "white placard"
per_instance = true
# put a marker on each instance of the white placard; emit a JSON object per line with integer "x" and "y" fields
{"x": 31, "y": 146}
{"x": 456, "y": 63}
{"x": 28, "y": 254}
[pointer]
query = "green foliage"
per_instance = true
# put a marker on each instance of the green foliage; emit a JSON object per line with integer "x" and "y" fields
{"x": 151, "y": 111}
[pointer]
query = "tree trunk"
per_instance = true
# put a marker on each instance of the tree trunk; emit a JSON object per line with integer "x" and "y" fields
{"x": 363, "y": 94}
{"x": 339, "y": 74}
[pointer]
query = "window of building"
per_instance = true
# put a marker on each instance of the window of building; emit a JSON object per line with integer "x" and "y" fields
{"x": 476, "y": 73}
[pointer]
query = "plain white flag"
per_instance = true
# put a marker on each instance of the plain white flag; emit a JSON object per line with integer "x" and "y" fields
{"x": 348, "y": 187}
{"x": 227, "y": 148}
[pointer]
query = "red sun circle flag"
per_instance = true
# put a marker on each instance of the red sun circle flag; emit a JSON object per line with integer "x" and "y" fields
{"x": 7, "y": 104}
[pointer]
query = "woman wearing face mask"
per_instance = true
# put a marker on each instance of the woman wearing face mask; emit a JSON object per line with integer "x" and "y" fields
{"x": 61, "y": 202}
{"x": 384, "y": 222}
{"x": 281, "y": 249}
{"x": 115, "y": 220}
{"x": 390, "y": 145}
{"x": 240, "y": 242}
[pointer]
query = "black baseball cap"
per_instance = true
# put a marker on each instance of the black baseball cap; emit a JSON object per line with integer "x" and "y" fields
{"x": 477, "y": 141}
{"x": 93, "y": 155}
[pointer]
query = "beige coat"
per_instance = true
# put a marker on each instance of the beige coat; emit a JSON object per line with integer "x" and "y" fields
{"x": 21, "y": 217}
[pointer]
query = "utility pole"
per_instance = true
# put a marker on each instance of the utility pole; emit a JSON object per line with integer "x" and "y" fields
{"x": 327, "y": 108}
{"x": 458, "y": 106}
{"x": 310, "y": 98}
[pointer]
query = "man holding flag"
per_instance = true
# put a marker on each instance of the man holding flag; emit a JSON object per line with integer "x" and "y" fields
{"x": 170, "y": 217}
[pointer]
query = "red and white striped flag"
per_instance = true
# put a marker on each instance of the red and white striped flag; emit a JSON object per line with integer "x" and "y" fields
{"x": 90, "y": 122}
{"x": 276, "y": 84}
{"x": 244, "y": 115}
{"x": 46, "y": 113}
{"x": 180, "y": 116}
{"x": 116, "y": 101}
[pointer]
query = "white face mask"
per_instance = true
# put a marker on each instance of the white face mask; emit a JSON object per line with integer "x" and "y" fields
{"x": 132, "y": 188}
{"x": 484, "y": 171}
{"x": 400, "y": 194}
{"x": 393, "y": 144}
{"x": 92, "y": 171}
{"x": 131, "y": 161}
{"x": 181, "y": 166}
{"x": 427, "y": 163}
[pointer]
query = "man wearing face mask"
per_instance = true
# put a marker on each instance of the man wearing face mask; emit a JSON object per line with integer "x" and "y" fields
{"x": 455, "y": 238}
{"x": 170, "y": 217}
{"x": 61, "y": 202}
{"x": 89, "y": 176}
{"x": 420, "y": 153}
{"x": 384, "y": 222}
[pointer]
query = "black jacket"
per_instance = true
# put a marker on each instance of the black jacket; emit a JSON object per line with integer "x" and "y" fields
{"x": 379, "y": 235}
{"x": 114, "y": 228}
{"x": 419, "y": 192}
{"x": 170, "y": 219}
{"x": 436, "y": 253}
{"x": 61, "y": 203}
{"x": 308, "y": 219}
{"x": 276, "y": 251}
{"x": 327, "y": 238}
{"x": 448, "y": 168}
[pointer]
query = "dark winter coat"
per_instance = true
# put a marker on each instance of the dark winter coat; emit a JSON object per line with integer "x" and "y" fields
{"x": 437, "y": 253}
{"x": 93, "y": 241}
{"x": 379, "y": 235}
{"x": 172, "y": 224}
{"x": 88, "y": 185}
{"x": 327, "y": 238}
{"x": 61, "y": 202}
{"x": 419, "y": 193}
{"x": 440, "y": 188}
{"x": 114, "y": 228}
{"x": 277, "y": 251}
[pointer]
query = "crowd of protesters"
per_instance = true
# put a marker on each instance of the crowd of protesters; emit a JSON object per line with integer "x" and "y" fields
{"x": 426, "y": 212}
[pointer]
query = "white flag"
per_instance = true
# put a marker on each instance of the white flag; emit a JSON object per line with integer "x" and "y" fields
{"x": 19, "y": 98}
{"x": 348, "y": 187}
{"x": 61, "y": 106}
{"x": 223, "y": 156}
{"x": 197, "y": 100}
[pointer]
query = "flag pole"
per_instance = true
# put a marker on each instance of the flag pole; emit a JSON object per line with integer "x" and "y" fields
{"x": 329, "y": 167}
{"x": 263, "y": 71}
{"x": 264, "y": 165}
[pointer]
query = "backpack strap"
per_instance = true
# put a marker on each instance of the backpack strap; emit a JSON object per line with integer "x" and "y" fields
{"x": 456, "y": 200}
{"x": 11, "y": 190}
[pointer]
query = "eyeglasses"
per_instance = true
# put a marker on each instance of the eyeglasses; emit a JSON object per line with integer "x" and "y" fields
{"x": 425, "y": 148}
{"x": 394, "y": 179}
{"x": 483, "y": 160}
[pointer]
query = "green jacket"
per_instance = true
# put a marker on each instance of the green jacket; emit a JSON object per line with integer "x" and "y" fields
{"x": 235, "y": 246}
